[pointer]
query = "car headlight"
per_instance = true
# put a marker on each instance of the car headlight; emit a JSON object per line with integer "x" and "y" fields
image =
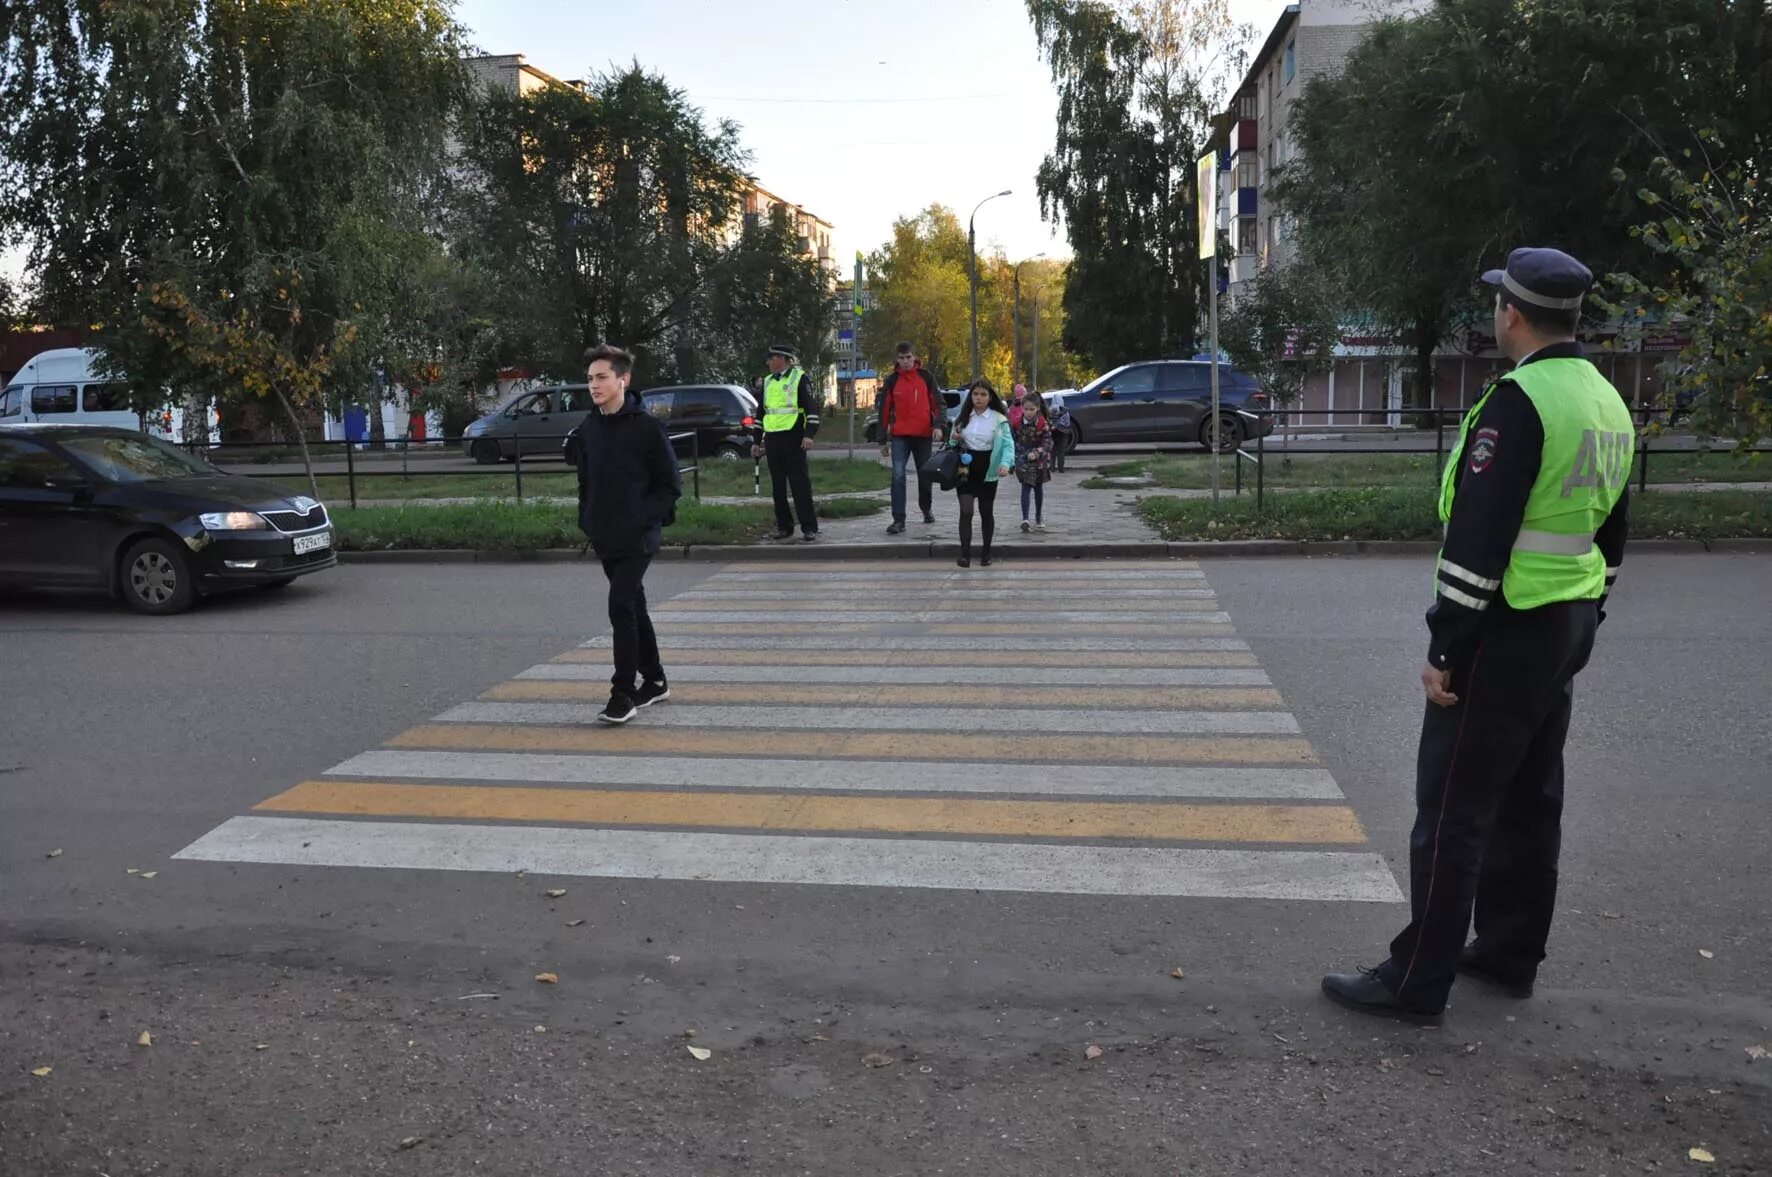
{"x": 232, "y": 521}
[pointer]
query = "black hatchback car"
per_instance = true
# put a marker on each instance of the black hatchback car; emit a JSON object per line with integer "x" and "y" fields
{"x": 101, "y": 508}
{"x": 1168, "y": 401}
{"x": 722, "y": 418}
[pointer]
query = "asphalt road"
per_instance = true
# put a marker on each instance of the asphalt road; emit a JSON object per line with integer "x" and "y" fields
{"x": 312, "y": 1019}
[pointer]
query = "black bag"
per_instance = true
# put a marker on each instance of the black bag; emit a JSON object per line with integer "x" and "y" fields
{"x": 943, "y": 466}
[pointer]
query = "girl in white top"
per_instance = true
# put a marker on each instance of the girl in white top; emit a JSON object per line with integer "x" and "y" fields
{"x": 987, "y": 453}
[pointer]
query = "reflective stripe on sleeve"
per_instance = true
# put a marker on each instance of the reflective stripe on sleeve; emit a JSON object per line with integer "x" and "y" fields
{"x": 1462, "y": 597}
{"x": 1469, "y": 577}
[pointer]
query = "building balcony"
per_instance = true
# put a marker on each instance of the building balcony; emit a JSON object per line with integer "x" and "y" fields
{"x": 1246, "y": 202}
{"x": 1245, "y": 139}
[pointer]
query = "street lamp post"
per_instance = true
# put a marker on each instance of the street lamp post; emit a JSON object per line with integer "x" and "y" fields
{"x": 972, "y": 271}
{"x": 1015, "y": 363}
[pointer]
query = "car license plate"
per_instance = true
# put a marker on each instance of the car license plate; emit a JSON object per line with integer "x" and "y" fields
{"x": 312, "y": 543}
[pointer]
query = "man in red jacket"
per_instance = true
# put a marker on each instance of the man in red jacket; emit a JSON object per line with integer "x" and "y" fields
{"x": 912, "y": 419}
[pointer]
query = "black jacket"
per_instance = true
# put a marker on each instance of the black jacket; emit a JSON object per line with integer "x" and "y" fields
{"x": 1493, "y": 488}
{"x": 627, "y": 481}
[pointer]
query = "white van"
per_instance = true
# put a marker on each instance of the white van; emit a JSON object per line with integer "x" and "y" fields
{"x": 63, "y": 386}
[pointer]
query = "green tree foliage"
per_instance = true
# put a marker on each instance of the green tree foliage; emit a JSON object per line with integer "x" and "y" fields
{"x": 614, "y": 214}
{"x": 1481, "y": 125}
{"x": 1283, "y": 329}
{"x": 207, "y": 181}
{"x": 1138, "y": 84}
{"x": 1716, "y": 234}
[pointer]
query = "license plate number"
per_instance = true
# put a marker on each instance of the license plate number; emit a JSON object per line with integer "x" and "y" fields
{"x": 312, "y": 543}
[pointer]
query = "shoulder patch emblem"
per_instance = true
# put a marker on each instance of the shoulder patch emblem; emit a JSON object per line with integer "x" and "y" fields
{"x": 1483, "y": 449}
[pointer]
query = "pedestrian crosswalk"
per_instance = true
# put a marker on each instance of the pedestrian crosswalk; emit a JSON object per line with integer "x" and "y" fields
{"x": 1094, "y": 729}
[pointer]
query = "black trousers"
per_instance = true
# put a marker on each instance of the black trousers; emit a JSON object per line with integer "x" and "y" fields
{"x": 1489, "y": 803}
{"x": 636, "y": 646}
{"x": 788, "y": 470}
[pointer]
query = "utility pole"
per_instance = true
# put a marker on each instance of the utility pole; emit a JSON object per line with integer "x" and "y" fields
{"x": 1206, "y": 204}
{"x": 972, "y": 270}
{"x": 1015, "y": 362}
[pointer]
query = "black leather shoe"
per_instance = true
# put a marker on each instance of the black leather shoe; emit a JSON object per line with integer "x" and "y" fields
{"x": 964, "y": 561}
{"x": 896, "y": 527}
{"x": 788, "y": 534}
{"x": 1364, "y": 993}
{"x": 1473, "y": 965}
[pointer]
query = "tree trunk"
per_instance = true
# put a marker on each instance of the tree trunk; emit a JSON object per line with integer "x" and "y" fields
{"x": 301, "y": 437}
{"x": 1427, "y": 339}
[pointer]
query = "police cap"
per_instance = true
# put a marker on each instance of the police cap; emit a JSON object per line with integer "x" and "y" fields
{"x": 785, "y": 351}
{"x": 1547, "y": 278}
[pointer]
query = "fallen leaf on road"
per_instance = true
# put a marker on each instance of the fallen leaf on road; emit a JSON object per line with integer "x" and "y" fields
{"x": 573, "y": 923}
{"x": 148, "y": 874}
{"x": 877, "y": 1059}
{"x": 1471, "y": 1047}
{"x": 42, "y": 1072}
{"x": 1092, "y": 1053}
{"x": 478, "y": 996}
{"x": 133, "y": 870}
{"x": 1756, "y": 1053}
{"x": 674, "y": 959}
{"x": 146, "y": 1039}
{"x": 262, "y": 1046}
{"x": 1707, "y": 954}
{"x": 548, "y": 978}
{"x": 1177, "y": 974}
{"x": 556, "y": 892}
{"x": 1701, "y": 1155}
{"x": 689, "y": 1033}
{"x": 412, "y": 1142}
{"x": 56, "y": 853}
{"x": 701, "y": 1053}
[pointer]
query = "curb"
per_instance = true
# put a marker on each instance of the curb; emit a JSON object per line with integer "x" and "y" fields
{"x": 1154, "y": 550}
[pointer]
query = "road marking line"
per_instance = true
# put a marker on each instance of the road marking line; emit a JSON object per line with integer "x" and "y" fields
{"x": 827, "y": 813}
{"x": 1143, "y": 600}
{"x": 761, "y": 664}
{"x": 793, "y": 660}
{"x": 974, "y": 585}
{"x": 916, "y": 567}
{"x": 868, "y": 645}
{"x": 795, "y": 623}
{"x": 800, "y": 573}
{"x": 913, "y": 721}
{"x": 902, "y": 776}
{"x": 1316, "y": 875}
{"x": 870, "y": 694}
{"x": 1038, "y": 748}
{"x": 1086, "y": 620}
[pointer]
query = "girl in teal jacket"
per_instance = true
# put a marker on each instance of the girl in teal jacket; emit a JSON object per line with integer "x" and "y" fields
{"x": 987, "y": 453}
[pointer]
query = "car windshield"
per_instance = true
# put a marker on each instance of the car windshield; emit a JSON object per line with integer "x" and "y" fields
{"x": 135, "y": 459}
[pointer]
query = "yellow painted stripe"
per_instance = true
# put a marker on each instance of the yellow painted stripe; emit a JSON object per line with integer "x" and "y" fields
{"x": 840, "y": 695}
{"x": 960, "y": 628}
{"x": 847, "y": 745}
{"x": 782, "y": 660}
{"x": 823, "y": 813}
{"x": 911, "y": 604}
{"x": 918, "y": 565}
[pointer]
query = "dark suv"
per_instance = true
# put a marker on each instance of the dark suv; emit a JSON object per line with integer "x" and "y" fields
{"x": 1167, "y": 401}
{"x": 723, "y": 418}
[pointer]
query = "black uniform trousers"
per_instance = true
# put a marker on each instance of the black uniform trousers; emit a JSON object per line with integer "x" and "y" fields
{"x": 1489, "y": 803}
{"x": 788, "y": 470}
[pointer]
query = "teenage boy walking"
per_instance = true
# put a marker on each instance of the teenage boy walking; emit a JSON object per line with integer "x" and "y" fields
{"x": 912, "y": 420}
{"x": 627, "y": 492}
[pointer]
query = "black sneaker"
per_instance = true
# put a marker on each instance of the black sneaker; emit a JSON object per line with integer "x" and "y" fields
{"x": 810, "y": 537}
{"x": 788, "y": 534}
{"x": 620, "y": 708}
{"x": 964, "y": 561}
{"x": 651, "y": 692}
{"x": 896, "y": 527}
{"x": 929, "y": 516}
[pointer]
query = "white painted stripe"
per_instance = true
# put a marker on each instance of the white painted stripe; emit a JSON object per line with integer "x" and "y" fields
{"x": 786, "y": 671}
{"x": 998, "y": 721}
{"x": 1079, "y": 575}
{"x": 767, "y": 858}
{"x": 1003, "y": 612}
{"x": 864, "y": 776}
{"x": 1462, "y": 597}
{"x": 953, "y": 647}
{"x": 897, "y": 593}
{"x": 1469, "y": 577}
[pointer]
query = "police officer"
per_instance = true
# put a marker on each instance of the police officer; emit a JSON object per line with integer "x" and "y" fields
{"x": 790, "y": 422}
{"x": 1534, "y": 503}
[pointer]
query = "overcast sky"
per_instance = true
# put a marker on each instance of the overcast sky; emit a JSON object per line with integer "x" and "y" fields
{"x": 859, "y": 110}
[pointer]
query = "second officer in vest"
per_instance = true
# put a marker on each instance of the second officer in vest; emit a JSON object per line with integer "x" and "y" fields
{"x": 790, "y": 422}
{"x": 1533, "y": 502}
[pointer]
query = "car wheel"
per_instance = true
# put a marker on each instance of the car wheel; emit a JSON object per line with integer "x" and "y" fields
{"x": 1229, "y": 434}
{"x": 486, "y": 452}
{"x": 732, "y": 453}
{"x": 157, "y": 578}
{"x": 1076, "y": 438}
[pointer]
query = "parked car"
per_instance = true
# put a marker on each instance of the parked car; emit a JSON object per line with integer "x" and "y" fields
{"x": 723, "y": 418}
{"x": 1168, "y": 401}
{"x": 114, "y": 510}
{"x": 534, "y": 421}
